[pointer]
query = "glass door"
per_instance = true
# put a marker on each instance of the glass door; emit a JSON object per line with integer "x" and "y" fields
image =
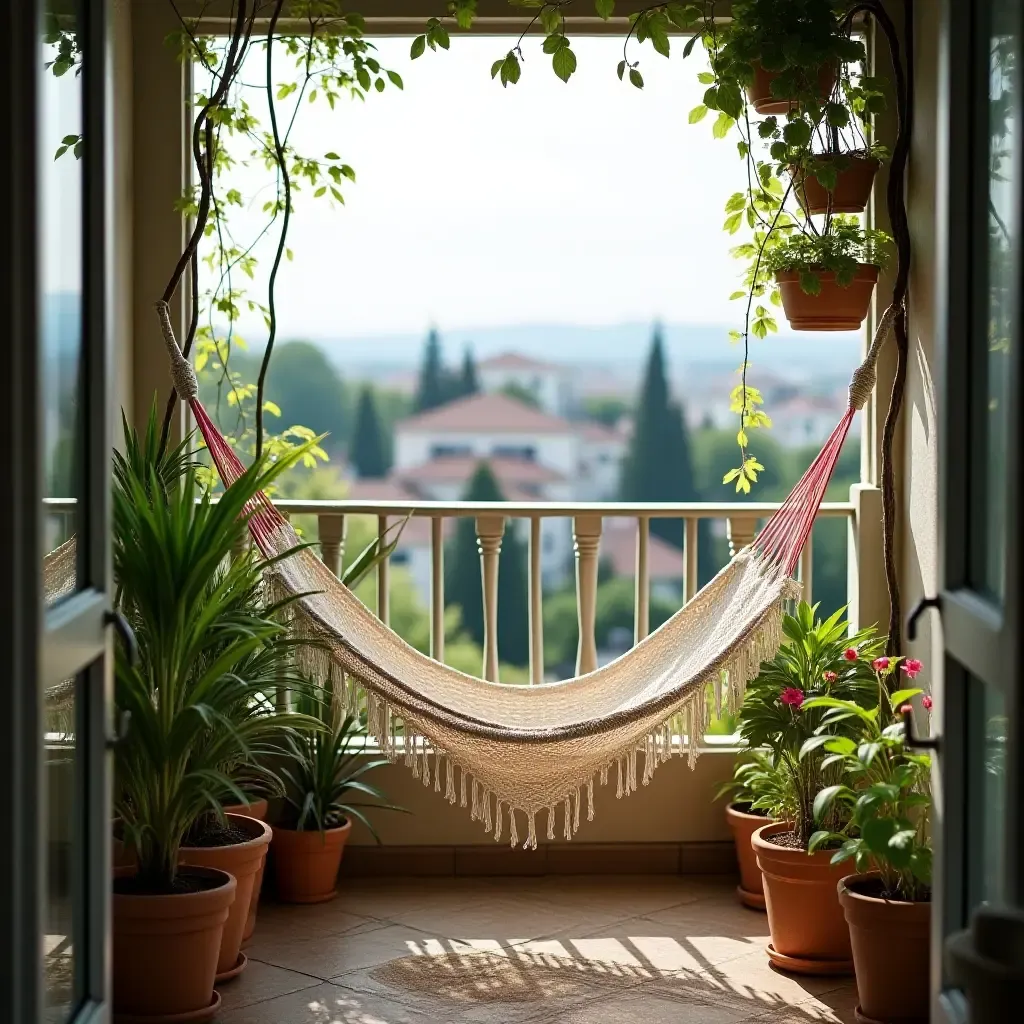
{"x": 979, "y": 829}
{"x": 56, "y": 565}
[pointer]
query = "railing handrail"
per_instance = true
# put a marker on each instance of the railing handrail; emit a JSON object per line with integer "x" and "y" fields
{"x": 530, "y": 509}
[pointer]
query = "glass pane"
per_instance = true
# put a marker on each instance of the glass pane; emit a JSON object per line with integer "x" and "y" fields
{"x": 61, "y": 848}
{"x": 988, "y": 530}
{"x": 61, "y": 277}
{"x": 986, "y": 792}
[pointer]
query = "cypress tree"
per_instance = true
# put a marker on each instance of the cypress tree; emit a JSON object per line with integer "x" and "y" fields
{"x": 463, "y": 584}
{"x": 659, "y": 464}
{"x": 369, "y": 451}
{"x": 432, "y": 389}
{"x": 468, "y": 383}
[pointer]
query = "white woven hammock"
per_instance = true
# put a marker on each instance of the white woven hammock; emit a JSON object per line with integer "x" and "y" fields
{"x": 510, "y": 753}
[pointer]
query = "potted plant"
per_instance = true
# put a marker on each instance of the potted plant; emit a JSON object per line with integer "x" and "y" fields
{"x": 320, "y": 772}
{"x": 759, "y": 795}
{"x": 829, "y": 183}
{"x": 784, "y": 53}
{"x": 808, "y": 932}
{"x": 886, "y": 799}
{"x": 826, "y": 279}
{"x": 193, "y": 699}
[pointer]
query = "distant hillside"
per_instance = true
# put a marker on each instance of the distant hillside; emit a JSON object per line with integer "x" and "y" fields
{"x": 796, "y": 356}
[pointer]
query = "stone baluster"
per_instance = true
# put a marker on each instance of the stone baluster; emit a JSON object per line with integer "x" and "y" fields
{"x": 489, "y": 531}
{"x": 587, "y": 541}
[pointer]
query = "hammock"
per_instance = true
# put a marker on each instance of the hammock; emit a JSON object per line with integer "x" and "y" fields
{"x": 508, "y": 750}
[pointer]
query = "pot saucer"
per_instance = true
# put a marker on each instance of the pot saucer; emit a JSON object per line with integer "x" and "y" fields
{"x": 188, "y": 1017}
{"x": 800, "y": 965}
{"x": 754, "y": 900}
{"x": 862, "y": 1018}
{"x": 240, "y": 965}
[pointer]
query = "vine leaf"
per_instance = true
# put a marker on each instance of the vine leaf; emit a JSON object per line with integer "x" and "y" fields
{"x": 698, "y": 113}
{"x": 419, "y": 45}
{"x": 564, "y": 62}
{"x": 636, "y": 78}
{"x": 621, "y": 69}
{"x": 604, "y": 9}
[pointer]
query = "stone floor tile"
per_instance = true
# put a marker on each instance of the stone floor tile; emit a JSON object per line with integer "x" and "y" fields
{"x": 259, "y": 982}
{"x": 325, "y": 1004}
{"x": 650, "y": 1008}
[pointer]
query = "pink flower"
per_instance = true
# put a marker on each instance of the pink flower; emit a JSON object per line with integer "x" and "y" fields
{"x": 926, "y": 700}
{"x": 850, "y": 654}
{"x": 880, "y": 664}
{"x": 792, "y": 696}
{"x": 830, "y": 677}
{"x": 911, "y": 666}
{"x": 907, "y": 709}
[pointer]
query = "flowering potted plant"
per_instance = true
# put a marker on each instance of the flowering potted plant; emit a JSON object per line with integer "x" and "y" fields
{"x": 759, "y": 794}
{"x": 886, "y": 795}
{"x": 809, "y": 934}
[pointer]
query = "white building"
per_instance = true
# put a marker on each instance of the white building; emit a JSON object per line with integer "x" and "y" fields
{"x": 534, "y": 456}
{"x": 549, "y": 383}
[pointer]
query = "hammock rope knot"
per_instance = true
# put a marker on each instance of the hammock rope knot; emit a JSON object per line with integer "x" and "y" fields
{"x": 182, "y": 375}
{"x": 866, "y": 375}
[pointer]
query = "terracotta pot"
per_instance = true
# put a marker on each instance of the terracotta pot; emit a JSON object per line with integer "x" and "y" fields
{"x": 834, "y": 308}
{"x": 852, "y": 191}
{"x": 759, "y": 92}
{"x": 809, "y": 932}
{"x": 306, "y": 863}
{"x": 890, "y": 940}
{"x": 244, "y": 861}
{"x": 743, "y": 826}
{"x": 165, "y": 951}
{"x": 256, "y": 808}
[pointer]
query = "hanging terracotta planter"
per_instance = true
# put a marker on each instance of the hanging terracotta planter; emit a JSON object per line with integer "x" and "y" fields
{"x": 306, "y": 863}
{"x": 743, "y": 825}
{"x": 759, "y": 92}
{"x": 256, "y": 808}
{"x": 890, "y": 941}
{"x": 243, "y": 860}
{"x": 809, "y": 932}
{"x": 855, "y": 176}
{"x": 165, "y": 948}
{"x": 835, "y": 307}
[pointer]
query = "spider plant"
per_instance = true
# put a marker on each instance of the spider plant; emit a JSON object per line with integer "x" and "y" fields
{"x": 324, "y": 767}
{"x": 211, "y": 646}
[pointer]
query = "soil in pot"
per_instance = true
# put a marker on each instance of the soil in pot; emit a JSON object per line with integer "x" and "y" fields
{"x": 834, "y": 307}
{"x": 306, "y": 863}
{"x": 890, "y": 941}
{"x": 852, "y": 191}
{"x": 744, "y": 823}
{"x": 256, "y": 808}
{"x": 759, "y": 92}
{"x": 166, "y": 945}
{"x": 240, "y": 849}
{"x": 809, "y": 932}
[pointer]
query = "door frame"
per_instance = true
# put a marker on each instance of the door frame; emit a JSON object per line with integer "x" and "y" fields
{"x": 39, "y": 644}
{"x": 980, "y": 634}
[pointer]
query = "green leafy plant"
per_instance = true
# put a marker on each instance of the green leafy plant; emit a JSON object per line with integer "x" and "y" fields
{"x": 212, "y": 647}
{"x": 325, "y": 768}
{"x": 841, "y": 252}
{"x": 885, "y": 794}
{"x": 819, "y": 660}
{"x": 760, "y": 785}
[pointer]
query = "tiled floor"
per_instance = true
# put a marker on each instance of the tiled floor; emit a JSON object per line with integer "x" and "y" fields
{"x": 570, "y": 950}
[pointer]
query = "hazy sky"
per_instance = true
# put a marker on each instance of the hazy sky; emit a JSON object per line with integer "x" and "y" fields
{"x": 589, "y": 202}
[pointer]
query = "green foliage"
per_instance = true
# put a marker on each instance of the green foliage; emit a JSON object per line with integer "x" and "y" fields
{"x": 841, "y": 252}
{"x": 369, "y": 451}
{"x": 437, "y": 384}
{"x": 463, "y": 586}
{"x": 761, "y": 785}
{"x": 811, "y": 664}
{"x": 521, "y": 393}
{"x": 884, "y": 792}
{"x": 324, "y": 770}
{"x": 658, "y": 466}
{"x": 211, "y": 648}
{"x": 607, "y": 410}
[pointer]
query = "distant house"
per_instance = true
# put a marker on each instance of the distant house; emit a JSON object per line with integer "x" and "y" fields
{"x": 534, "y": 455}
{"x": 549, "y": 383}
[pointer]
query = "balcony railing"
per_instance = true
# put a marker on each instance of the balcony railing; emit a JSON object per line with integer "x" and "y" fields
{"x": 741, "y": 523}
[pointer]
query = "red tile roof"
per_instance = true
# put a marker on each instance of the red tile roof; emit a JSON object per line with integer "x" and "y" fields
{"x": 515, "y": 361}
{"x": 455, "y": 468}
{"x": 485, "y": 413}
{"x": 618, "y": 546}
